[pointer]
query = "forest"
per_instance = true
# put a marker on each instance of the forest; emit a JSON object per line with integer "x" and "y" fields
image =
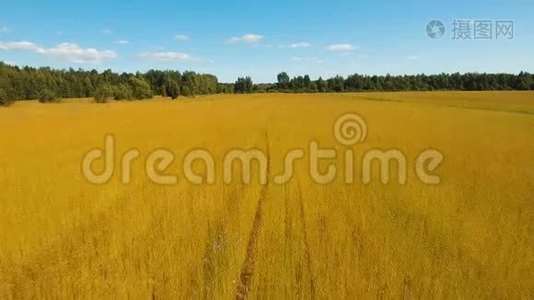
{"x": 421, "y": 82}
{"x": 48, "y": 85}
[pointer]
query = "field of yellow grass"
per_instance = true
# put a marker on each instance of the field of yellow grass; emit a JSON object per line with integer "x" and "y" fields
{"x": 472, "y": 235}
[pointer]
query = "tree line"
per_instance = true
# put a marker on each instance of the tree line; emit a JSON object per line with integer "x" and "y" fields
{"x": 366, "y": 83}
{"x": 421, "y": 82}
{"x": 49, "y": 85}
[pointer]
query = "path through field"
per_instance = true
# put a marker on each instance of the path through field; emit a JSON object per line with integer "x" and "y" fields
{"x": 469, "y": 236}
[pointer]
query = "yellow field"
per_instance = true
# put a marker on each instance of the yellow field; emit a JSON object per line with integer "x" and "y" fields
{"x": 472, "y": 235}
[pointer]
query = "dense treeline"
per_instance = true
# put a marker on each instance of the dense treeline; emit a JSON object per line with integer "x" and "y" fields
{"x": 244, "y": 86}
{"x": 49, "y": 85}
{"x": 26, "y": 83}
{"x": 356, "y": 83}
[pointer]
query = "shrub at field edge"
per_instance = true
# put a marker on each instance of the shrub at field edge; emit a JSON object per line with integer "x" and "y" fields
{"x": 48, "y": 96}
{"x": 5, "y": 100}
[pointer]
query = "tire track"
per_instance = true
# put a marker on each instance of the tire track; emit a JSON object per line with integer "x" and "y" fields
{"x": 247, "y": 269}
{"x": 306, "y": 245}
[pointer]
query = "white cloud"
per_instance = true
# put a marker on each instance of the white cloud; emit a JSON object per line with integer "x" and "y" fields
{"x": 247, "y": 38}
{"x": 306, "y": 59}
{"x": 412, "y": 57}
{"x": 122, "y": 42}
{"x": 64, "y": 51}
{"x": 181, "y": 37}
{"x": 5, "y": 29}
{"x": 252, "y": 38}
{"x": 167, "y": 56}
{"x": 300, "y": 45}
{"x": 342, "y": 47}
{"x": 27, "y": 46}
{"x": 233, "y": 40}
{"x": 74, "y": 53}
{"x": 107, "y": 31}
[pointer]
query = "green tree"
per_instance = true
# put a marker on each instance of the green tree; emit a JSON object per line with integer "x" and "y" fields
{"x": 5, "y": 100}
{"x": 187, "y": 87}
{"x": 140, "y": 88}
{"x": 244, "y": 86}
{"x": 283, "y": 80}
{"x": 249, "y": 85}
{"x": 48, "y": 96}
{"x": 523, "y": 81}
{"x": 321, "y": 85}
{"x": 239, "y": 86}
{"x": 307, "y": 82}
{"x": 122, "y": 92}
{"x": 336, "y": 84}
{"x": 104, "y": 93}
{"x": 172, "y": 89}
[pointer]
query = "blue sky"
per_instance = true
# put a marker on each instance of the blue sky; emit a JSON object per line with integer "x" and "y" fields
{"x": 261, "y": 38}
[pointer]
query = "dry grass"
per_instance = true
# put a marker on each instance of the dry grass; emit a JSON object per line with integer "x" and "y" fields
{"x": 470, "y": 236}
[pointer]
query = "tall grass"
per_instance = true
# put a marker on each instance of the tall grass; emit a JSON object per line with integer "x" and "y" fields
{"x": 470, "y": 236}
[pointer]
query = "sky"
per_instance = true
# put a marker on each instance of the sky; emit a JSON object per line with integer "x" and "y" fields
{"x": 262, "y": 38}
